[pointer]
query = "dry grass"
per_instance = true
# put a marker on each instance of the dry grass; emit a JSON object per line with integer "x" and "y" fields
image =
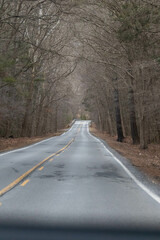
{"x": 147, "y": 160}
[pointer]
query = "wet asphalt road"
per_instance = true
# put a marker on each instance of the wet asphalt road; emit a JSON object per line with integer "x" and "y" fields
{"x": 81, "y": 185}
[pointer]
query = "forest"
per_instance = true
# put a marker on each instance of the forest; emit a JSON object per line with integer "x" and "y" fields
{"x": 99, "y": 58}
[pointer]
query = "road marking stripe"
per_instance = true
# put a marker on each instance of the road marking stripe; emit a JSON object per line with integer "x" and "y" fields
{"x": 62, "y": 149}
{"x": 18, "y": 180}
{"x": 32, "y": 145}
{"x": 40, "y": 169}
{"x": 0, "y": 204}
{"x": 79, "y": 128}
{"x": 51, "y": 159}
{"x": 25, "y": 182}
{"x": 141, "y": 185}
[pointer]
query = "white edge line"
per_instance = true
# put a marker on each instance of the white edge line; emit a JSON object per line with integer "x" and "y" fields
{"x": 67, "y": 130}
{"x": 32, "y": 145}
{"x": 141, "y": 185}
{"x": 20, "y": 149}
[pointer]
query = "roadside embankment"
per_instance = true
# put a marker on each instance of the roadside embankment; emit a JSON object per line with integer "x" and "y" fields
{"x": 7, "y": 144}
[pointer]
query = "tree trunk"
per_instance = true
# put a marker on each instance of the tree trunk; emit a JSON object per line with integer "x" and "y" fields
{"x": 55, "y": 119}
{"x": 143, "y": 137}
{"x": 118, "y": 117}
{"x": 39, "y": 120}
{"x": 109, "y": 121}
{"x": 133, "y": 124}
{"x": 26, "y": 131}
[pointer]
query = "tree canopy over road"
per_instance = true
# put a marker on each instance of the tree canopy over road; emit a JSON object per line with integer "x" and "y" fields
{"x": 103, "y": 54}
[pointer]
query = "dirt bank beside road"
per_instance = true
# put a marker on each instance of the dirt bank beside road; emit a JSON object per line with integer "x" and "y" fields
{"x": 7, "y": 144}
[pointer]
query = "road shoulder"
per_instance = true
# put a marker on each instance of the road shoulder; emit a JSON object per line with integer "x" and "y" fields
{"x": 138, "y": 172}
{"x": 8, "y": 144}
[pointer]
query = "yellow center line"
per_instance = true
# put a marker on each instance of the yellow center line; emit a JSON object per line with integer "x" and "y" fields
{"x": 25, "y": 182}
{"x": 40, "y": 169}
{"x": 0, "y": 204}
{"x": 79, "y": 128}
{"x": 51, "y": 159}
{"x": 19, "y": 179}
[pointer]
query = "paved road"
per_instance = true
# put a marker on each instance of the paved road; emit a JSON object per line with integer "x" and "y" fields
{"x": 81, "y": 184}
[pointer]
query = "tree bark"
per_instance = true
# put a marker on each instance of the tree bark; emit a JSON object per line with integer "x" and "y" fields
{"x": 143, "y": 138}
{"x": 133, "y": 124}
{"x": 56, "y": 123}
{"x": 26, "y": 130}
{"x": 118, "y": 116}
